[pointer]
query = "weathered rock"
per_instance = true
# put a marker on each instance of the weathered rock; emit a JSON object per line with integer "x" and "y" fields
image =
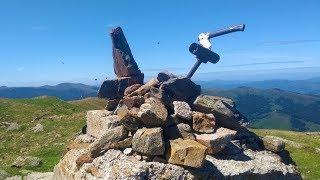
{"x": 145, "y": 88}
{"x": 262, "y": 165}
{"x": 10, "y": 126}
{"x": 26, "y": 161}
{"x": 67, "y": 167}
{"x": 178, "y": 131}
{"x": 111, "y": 104}
{"x": 114, "y": 89}
{"x": 222, "y": 108}
{"x": 115, "y": 165}
{"x": 273, "y": 143}
{"x": 84, "y": 138}
{"x": 81, "y": 141}
{"x": 124, "y": 63}
{"x": 153, "y": 113}
{"x": 217, "y": 141}
{"x": 182, "y": 110}
{"x": 131, "y": 88}
{"x": 123, "y": 144}
{"x": 149, "y": 141}
{"x": 203, "y": 123}
{"x": 99, "y": 121}
{"x": 181, "y": 89}
{"x": 186, "y": 152}
{"x": 38, "y": 128}
{"x": 39, "y": 176}
{"x": 159, "y": 94}
{"x": 165, "y": 75}
{"x": 129, "y": 119}
{"x": 84, "y": 158}
{"x": 109, "y": 139}
{"x": 133, "y": 101}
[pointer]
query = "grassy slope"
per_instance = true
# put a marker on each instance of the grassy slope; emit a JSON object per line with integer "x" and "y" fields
{"x": 61, "y": 120}
{"x": 303, "y": 151}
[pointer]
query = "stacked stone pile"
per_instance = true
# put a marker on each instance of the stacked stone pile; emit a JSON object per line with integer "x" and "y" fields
{"x": 166, "y": 129}
{"x": 165, "y": 119}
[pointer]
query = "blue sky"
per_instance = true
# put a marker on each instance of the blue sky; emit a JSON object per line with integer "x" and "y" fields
{"x": 47, "y": 42}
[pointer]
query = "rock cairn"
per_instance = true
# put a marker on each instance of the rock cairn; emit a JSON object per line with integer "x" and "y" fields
{"x": 165, "y": 129}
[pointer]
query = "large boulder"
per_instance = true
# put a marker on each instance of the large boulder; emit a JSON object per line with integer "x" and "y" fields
{"x": 186, "y": 152}
{"x": 203, "y": 123}
{"x": 181, "y": 89}
{"x": 153, "y": 113}
{"x": 99, "y": 121}
{"x": 217, "y": 141}
{"x": 26, "y": 161}
{"x": 129, "y": 119}
{"x": 149, "y": 141}
{"x": 114, "y": 89}
{"x": 273, "y": 143}
{"x": 222, "y": 108}
{"x": 116, "y": 165}
{"x": 248, "y": 164}
{"x": 108, "y": 140}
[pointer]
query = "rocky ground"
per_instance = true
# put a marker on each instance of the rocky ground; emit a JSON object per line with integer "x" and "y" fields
{"x": 165, "y": 129}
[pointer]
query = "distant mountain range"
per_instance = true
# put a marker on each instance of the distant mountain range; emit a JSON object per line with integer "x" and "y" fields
{"x": 275, "y": 108}
{"x": 65, "y": 91}
{"x": 308, "y": 86}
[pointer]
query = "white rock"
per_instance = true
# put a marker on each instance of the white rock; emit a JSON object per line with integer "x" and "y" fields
{"x": 182, "y": 110}
{"x": 128, "y": 151}
{"x": 251, "y": 165}
{"x": 115, "y": 165}
{"x": 217, "y": 141}
{"x": 98, "y": 121}
{"x": 38, "y": 128}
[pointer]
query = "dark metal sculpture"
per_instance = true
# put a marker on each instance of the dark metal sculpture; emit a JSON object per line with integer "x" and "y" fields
{"x": 203, "y": 51}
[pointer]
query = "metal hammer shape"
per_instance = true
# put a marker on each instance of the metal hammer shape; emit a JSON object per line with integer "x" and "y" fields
{"x": 203, "y": 53}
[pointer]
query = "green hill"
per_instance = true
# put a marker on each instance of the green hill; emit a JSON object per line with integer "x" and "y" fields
{"x": 275, "y": 108}
{"x": 61, "y": 121}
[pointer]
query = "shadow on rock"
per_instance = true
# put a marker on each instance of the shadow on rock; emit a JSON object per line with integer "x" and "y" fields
{"x": 285, "y": 157}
